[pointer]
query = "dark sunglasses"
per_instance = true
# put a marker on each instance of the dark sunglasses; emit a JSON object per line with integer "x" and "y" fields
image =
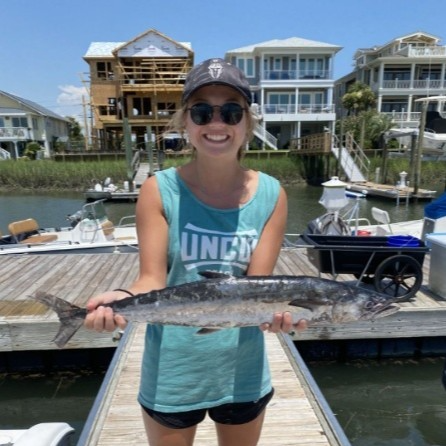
{"x": 230, "y": 113}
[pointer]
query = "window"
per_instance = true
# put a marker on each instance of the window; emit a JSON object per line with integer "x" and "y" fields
{"x": 246, "y": 65}
{"x": 2, "y": 122}
{"x": 281, "y": 102}
{"x": 104, "y": 70}
{"x": 141, "y": 106}
{"x": 19, "y": 122}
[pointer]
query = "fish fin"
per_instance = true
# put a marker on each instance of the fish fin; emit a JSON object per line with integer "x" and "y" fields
{"x": 69, "y": 324}
{"x": 206, "y": 331}
{"x": 215, "y": 275}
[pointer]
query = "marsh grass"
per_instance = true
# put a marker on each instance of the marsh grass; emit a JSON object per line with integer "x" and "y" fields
{"x": 77, "y": 176}
{"x": 51, "y": 175}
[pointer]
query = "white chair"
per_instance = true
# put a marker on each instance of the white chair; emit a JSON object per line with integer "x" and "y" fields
{"x": 382, "y": 217}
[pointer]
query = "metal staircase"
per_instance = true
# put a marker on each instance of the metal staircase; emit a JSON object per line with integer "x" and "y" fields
{"x": 352, "y": 159}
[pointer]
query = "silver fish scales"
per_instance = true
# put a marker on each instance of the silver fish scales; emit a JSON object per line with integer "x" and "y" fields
{"x": 224, "y": 301}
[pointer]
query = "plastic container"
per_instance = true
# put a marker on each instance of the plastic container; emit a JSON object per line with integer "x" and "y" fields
{"x": 406, "y": 241}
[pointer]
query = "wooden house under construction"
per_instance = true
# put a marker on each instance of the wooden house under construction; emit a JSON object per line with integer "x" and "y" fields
{"x": 140, "y": 81}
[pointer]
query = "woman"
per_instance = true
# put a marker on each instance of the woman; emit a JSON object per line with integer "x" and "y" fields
{"x": 210, "y": 214}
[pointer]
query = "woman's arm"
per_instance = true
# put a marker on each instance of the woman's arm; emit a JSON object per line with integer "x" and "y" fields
{"x": 152, "y": 232}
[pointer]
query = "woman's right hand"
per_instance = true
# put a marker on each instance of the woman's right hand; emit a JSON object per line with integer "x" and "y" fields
{"x": 100, "y": 318}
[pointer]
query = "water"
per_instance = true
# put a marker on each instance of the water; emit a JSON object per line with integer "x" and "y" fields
{"x": 406, "y": 410}
{"x": 26, "y": 400}
{"x": 50, "y": 210}
{"x": 397, "y": 402}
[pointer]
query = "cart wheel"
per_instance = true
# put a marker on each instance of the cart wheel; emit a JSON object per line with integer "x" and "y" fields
{"x": 398, "y": 276}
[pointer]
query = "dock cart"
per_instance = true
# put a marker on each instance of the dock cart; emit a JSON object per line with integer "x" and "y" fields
{"x": 393, "y": 270}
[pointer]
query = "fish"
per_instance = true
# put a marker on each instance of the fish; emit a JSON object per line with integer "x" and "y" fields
{"x": 226, "y": 301}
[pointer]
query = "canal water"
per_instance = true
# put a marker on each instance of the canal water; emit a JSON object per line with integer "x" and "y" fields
{"x": 394, "y": 403}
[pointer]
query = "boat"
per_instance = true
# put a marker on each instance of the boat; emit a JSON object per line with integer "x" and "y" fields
{"x": 434, "y": 133}
{"x": 90, "y": 232}
{"x": 42, "y": 434}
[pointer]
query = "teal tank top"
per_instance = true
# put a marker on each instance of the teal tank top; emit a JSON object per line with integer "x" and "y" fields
{"x": 181, "y": 370}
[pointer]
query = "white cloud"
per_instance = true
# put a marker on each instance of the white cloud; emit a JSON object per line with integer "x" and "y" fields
{"x": 72, "y": 95}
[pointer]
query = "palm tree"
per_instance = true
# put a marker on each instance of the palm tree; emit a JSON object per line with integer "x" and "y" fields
{"x": 358, "y": 98}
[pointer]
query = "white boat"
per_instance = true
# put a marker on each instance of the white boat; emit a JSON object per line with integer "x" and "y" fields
{"x": 92, "y": 232}
{"x": 42, "y": 434}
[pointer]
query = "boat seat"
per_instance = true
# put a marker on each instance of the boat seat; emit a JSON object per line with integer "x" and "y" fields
{"x": 108, "y": 228}
{"x": 382, "y": 217}
{"x": 27, "y": 231}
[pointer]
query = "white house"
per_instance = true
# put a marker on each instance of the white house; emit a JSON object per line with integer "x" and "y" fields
{"x": 399, "y": 72}
{"x": 292, "y": 82}
{"x": 23, "y": 121}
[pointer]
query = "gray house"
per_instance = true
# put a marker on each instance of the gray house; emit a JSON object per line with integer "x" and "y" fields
{"x": 292, "y": 83}
{"x": 23, "y": 121}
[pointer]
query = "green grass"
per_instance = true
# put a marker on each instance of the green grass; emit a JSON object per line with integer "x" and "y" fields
{"x": 77, "y": 176}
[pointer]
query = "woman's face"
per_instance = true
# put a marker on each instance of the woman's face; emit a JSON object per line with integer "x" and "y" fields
{"x": 216, "y": 138}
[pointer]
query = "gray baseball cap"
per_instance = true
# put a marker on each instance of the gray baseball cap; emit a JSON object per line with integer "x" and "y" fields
{"x": 216, "y": 72}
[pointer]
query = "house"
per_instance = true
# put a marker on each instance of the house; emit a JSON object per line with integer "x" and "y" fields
{"x": 399, "y": 72}
{"x": 139, "y": 82}
{"x": 23, "y": 121}
{"x": 292, "y": 83}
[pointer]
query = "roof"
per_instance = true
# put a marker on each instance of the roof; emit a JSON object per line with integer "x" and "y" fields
{"x": 30, "y": 105}
{"x": 107, "y": 49}
{"x": 102, "y": 49}
{"x": 290, "y": 43}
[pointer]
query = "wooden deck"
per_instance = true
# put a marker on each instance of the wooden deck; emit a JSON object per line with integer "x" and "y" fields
{"x": 295, "y": 416}
{"x": 391, "y": 192}
{"x": 28, "y": 325}
{"x": 298, "y": 414}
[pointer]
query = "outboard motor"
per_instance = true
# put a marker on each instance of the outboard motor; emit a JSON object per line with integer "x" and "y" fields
{"x": 328, "y": 224}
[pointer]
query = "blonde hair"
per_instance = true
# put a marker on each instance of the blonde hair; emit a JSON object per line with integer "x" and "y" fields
{"x": 178, "y": 125}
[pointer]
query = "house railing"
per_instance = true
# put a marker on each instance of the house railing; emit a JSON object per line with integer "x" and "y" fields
{"x": 404, "y": 116}
{"x": 397, "y": 84}
{"x": 300, "y": 108}
{"x": 14, "y": 132}
{"x": 272, "y": 75}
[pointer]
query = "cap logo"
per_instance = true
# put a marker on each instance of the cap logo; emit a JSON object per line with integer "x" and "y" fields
{"x": 215, "y": 69}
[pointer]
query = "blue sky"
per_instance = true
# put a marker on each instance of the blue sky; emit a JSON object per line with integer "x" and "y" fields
{"x": 43, "y": 41}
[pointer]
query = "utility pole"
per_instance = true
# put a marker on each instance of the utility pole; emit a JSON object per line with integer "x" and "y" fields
{"x": 128, "y": 151}
{"x": 84, "y": 108}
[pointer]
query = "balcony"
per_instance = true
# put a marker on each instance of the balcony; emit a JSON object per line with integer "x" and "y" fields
{"x": 301, "y": 112}
{"x": 14, "y": 133}
{"x": 284, "y": 75}
{"x": 410, "y": 84}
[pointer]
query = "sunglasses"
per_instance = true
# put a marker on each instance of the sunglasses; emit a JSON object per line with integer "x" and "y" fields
{"x": 230, "y": 113}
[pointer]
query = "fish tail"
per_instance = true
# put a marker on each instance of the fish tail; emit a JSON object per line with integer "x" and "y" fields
{"x": 71, "y": 316}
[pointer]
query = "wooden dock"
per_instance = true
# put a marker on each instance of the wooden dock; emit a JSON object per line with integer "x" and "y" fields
{"x": 372, "y": 189}
{"x": 298, "y": 414}
{"x": 28, "y": 325}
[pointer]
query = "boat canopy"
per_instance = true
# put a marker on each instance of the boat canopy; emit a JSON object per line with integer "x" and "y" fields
{"x": 437, "y": 208}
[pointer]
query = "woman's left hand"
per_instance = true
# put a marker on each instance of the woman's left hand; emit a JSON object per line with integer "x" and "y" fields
{"x": 283, "y": 322}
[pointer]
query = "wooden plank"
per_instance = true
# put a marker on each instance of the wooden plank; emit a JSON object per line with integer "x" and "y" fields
{"x": 290, "y": 418}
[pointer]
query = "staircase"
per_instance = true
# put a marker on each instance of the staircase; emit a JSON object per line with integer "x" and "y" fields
{"x": 4, "y": 154}
{"x": 267, "y": 138}
{"x": 352, "y": 159}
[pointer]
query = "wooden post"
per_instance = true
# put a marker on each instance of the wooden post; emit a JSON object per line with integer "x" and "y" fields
{"x": 419, "y": 153}
{"x": 128, "y": 151}
{"x": 149, "y": 149}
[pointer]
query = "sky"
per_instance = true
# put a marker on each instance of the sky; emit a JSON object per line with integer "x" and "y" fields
{"x": 43, "y": 42}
